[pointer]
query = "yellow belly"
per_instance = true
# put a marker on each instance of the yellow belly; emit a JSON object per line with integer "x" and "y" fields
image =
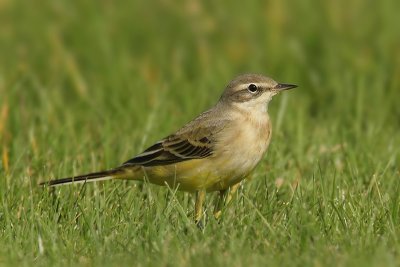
{"x": 190, "y": 175}
{"x": 211, "y": 174}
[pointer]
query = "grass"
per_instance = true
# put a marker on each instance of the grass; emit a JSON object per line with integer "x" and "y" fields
{"x": 86, "y": 85}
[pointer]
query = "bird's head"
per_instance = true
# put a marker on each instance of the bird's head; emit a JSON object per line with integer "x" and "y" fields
{"x": 252, "y": 91}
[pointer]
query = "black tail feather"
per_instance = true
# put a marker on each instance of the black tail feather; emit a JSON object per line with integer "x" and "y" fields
{"x": 91, "y": 177}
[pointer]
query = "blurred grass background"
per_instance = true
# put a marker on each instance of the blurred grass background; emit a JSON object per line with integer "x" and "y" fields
{"x": 85, "y": 85}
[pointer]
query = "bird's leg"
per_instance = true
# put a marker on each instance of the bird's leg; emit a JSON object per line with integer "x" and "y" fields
{"x": 198, "y": 206}
{"x": 219, "y": 203}
{"x": 232, "y": 192}
{"x": 224, "y": 196}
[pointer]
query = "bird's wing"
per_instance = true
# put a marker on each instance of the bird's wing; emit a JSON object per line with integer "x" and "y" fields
{"x": 194, "y": 141}
{"x": 173, "y": 149}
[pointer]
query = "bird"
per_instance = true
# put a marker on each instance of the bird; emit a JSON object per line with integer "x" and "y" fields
{"x": 213, "y": 152}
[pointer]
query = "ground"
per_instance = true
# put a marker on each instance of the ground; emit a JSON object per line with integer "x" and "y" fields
{"x": 86, "y": 85}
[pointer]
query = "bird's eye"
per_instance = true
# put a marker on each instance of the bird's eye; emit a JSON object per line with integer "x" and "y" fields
{"x": 252, "y": 88}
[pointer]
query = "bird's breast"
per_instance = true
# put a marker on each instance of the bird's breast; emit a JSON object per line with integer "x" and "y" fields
{"x": 243, "y": 146}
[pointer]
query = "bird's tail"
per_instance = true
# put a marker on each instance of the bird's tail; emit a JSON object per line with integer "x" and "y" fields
{"x": 91, "y": 177}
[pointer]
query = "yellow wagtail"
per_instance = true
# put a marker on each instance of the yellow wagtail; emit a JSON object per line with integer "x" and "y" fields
{"x": 213, "y": 152}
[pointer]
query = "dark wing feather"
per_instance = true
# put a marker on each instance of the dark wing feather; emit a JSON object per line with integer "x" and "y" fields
{"x": 173, "y": 149}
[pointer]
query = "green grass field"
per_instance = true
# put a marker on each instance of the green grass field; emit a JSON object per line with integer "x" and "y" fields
{"x": 85, "y": 85}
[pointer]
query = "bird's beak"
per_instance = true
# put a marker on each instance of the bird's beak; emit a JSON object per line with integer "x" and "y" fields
{"x": 283, "y": 86}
